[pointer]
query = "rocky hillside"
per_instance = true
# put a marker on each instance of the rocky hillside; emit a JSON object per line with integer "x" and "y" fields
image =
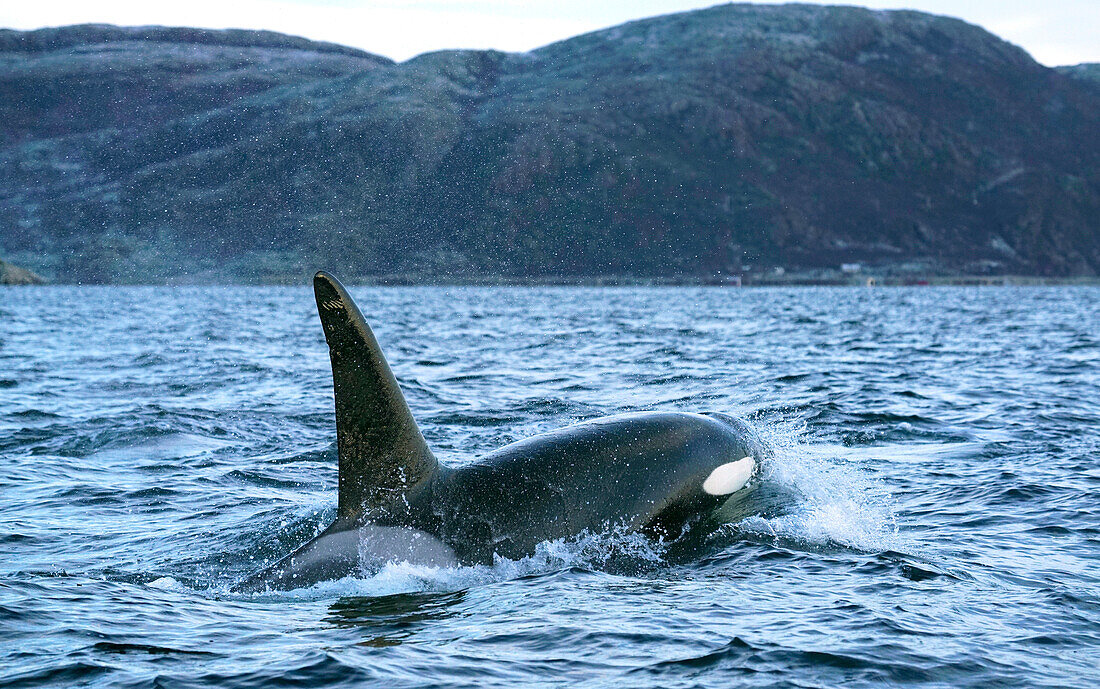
{"x": 719, "y": 141}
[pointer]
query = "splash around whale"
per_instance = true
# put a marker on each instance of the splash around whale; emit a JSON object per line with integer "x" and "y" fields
{"x": 656, "y": 473}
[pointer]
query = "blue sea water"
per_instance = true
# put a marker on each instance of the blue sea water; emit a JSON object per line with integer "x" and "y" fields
{"x": 934, "y": 519}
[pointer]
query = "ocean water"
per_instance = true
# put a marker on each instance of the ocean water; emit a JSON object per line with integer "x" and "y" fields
{"x": 932, "y": 518}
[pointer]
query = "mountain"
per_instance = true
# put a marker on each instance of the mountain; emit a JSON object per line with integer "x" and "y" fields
{"x": 719, "y": 141}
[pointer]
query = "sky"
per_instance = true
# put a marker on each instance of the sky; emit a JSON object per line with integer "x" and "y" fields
{"x": 1055, "y": 32}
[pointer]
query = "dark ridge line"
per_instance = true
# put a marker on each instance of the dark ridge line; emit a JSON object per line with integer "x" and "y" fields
{"x": 59, "y": 38}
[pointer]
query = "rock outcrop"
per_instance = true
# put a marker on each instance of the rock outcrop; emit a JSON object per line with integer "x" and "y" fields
{"x": 14, "y": 275}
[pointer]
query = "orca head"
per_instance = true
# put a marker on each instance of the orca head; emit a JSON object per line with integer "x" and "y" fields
{"x": 754, "y": 444}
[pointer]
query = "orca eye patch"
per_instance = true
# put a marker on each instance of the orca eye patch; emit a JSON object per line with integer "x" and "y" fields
{"x": 729, "y": 477}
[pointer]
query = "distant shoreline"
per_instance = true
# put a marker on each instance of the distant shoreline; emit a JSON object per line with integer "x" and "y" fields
{"x": 863, "y": 281}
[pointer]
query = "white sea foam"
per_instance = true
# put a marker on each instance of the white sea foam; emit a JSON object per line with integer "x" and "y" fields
{"x": 167, "y": 584}
{"x": 613, "y": 550}
{"x": 829, "y": 500}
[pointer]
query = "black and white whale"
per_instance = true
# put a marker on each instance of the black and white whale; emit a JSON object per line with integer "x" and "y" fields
{"x": 653, "y": 472}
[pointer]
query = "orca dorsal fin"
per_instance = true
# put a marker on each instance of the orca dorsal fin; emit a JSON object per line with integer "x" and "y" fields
{"x": 382, "y": 453}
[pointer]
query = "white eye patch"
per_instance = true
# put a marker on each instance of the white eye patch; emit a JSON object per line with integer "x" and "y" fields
{"x": 729, "y": 477}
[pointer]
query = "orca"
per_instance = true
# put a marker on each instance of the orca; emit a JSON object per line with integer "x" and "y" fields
{"x": 652, "y": 472}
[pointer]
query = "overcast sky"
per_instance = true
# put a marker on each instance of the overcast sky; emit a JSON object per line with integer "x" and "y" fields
{"x": 1055, "y": 32}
